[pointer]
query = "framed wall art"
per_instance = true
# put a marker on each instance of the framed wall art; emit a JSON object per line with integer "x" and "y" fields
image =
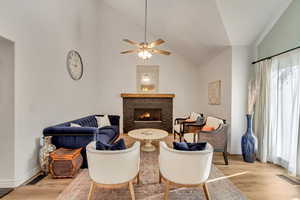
{"x": 214, "y": 93}
{"x": 147, "y": 78}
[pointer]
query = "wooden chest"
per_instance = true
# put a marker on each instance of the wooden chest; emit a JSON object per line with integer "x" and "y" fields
{"x": 65, "y": 163}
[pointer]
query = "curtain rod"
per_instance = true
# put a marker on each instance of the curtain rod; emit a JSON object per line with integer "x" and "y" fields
{"x": 267, "y": 58}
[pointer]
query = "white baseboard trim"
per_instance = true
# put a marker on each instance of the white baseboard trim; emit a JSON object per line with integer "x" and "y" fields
{"x": 7, "y": 183}
{"x": 12, "y": 183}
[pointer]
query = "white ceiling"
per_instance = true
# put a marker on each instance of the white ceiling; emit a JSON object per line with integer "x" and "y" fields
{"x": 246, "y": 20}
{"x": 199, "y": 29}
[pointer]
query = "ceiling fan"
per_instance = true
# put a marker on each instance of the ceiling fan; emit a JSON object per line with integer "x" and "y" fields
{"x": 145, "y": 49}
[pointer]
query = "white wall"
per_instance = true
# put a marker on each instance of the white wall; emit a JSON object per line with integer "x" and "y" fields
{"x": 43, "y": 33}
{"x": 219, "y": 68}
{"x": 241, "y": 67}
{"x": 6, "y": 111}
{"x": 284, "y": 35}
{"x": 117, "y": 73}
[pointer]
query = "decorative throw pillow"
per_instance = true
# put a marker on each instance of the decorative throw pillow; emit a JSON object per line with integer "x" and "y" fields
{"x": 74, "y": 125}
{"x": 181, "y": 146}
{"x": 197, "y": 146}
{"x": 103, "y": 121}
{"x": 119, "y": 145}
{"x": 184, "y": 146}
{"x": 194, "y": 116}
{"x": 208, "y": 128}
{"x": 200, "y": 119}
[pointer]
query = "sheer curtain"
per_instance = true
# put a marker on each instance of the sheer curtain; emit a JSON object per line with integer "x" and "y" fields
{"x": 277, "y": 112}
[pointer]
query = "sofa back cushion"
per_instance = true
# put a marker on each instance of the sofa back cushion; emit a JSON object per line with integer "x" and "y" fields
{"x": 89, "y": 121}
{"x": 214, "y": 122}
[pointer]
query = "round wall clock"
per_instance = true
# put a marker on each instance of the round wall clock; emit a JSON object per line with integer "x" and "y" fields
{"x": 74, "y": 65}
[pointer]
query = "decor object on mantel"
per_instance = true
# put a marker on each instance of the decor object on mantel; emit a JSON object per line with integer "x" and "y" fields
{"x": 249, "y": 141}
{"x": 147, "y": 78}
{"x": 145, "y": 49}
{"x": 152, "y": 95}
{"x": 214, "y": 93}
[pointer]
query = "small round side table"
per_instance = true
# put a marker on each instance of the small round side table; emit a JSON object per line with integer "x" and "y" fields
{"x": 148, "y": 135}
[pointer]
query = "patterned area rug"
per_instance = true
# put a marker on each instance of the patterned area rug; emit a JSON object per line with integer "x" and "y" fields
{"x": 149, "y": 188}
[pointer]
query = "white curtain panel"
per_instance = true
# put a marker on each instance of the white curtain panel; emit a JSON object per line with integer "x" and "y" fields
{"x": 261, "y": 112}
{"x": 277, "y": 111}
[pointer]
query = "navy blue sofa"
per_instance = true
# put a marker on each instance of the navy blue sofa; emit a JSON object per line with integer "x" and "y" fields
{"x": 75, "y": 137}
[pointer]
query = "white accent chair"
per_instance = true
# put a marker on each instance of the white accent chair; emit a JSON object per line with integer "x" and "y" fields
{"x": 185, "y": 168}
{"x": 113, "y": 169}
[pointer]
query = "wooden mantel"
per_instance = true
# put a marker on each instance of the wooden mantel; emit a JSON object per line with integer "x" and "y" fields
{"x": 146, "y": 95}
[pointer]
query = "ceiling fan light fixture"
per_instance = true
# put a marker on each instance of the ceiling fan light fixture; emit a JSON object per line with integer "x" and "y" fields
{"x": 144, "y": 49}
{"x": 144, "y": 54}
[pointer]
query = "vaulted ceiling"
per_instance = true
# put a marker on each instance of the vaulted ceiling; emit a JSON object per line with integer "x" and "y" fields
{"x": 199, "y": 29}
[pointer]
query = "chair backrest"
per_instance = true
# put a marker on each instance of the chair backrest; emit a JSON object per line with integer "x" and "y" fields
{"x": 185, "y": 167}
{"x": 113, "y": 167}
{"x": 214, "y": 122}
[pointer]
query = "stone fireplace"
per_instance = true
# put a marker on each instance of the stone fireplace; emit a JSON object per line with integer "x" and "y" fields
{"x": 147, "y": 111}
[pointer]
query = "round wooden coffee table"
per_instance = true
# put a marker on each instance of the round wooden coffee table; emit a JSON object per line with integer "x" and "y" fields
{"x": 148, "y": 135}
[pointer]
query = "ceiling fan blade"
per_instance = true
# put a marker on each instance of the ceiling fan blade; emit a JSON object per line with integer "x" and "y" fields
{"x": 129, "y": 51}
{"x": 132, "y": 42}
{"x": 156, "y": 43}
{"x": 161, "y": 52}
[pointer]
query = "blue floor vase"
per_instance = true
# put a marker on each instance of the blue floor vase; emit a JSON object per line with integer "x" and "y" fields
{"x": 249, "y": 142}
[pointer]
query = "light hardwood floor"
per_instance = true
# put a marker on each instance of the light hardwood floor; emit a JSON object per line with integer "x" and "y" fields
{"x": 261, "y": 183}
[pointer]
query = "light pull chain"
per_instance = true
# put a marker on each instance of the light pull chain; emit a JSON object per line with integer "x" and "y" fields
{"x": 146, "y": 15}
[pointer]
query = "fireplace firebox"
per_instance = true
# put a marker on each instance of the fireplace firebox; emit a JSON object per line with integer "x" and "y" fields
{"x": 147, "y": 111}
{"x": 147, "y": 114}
